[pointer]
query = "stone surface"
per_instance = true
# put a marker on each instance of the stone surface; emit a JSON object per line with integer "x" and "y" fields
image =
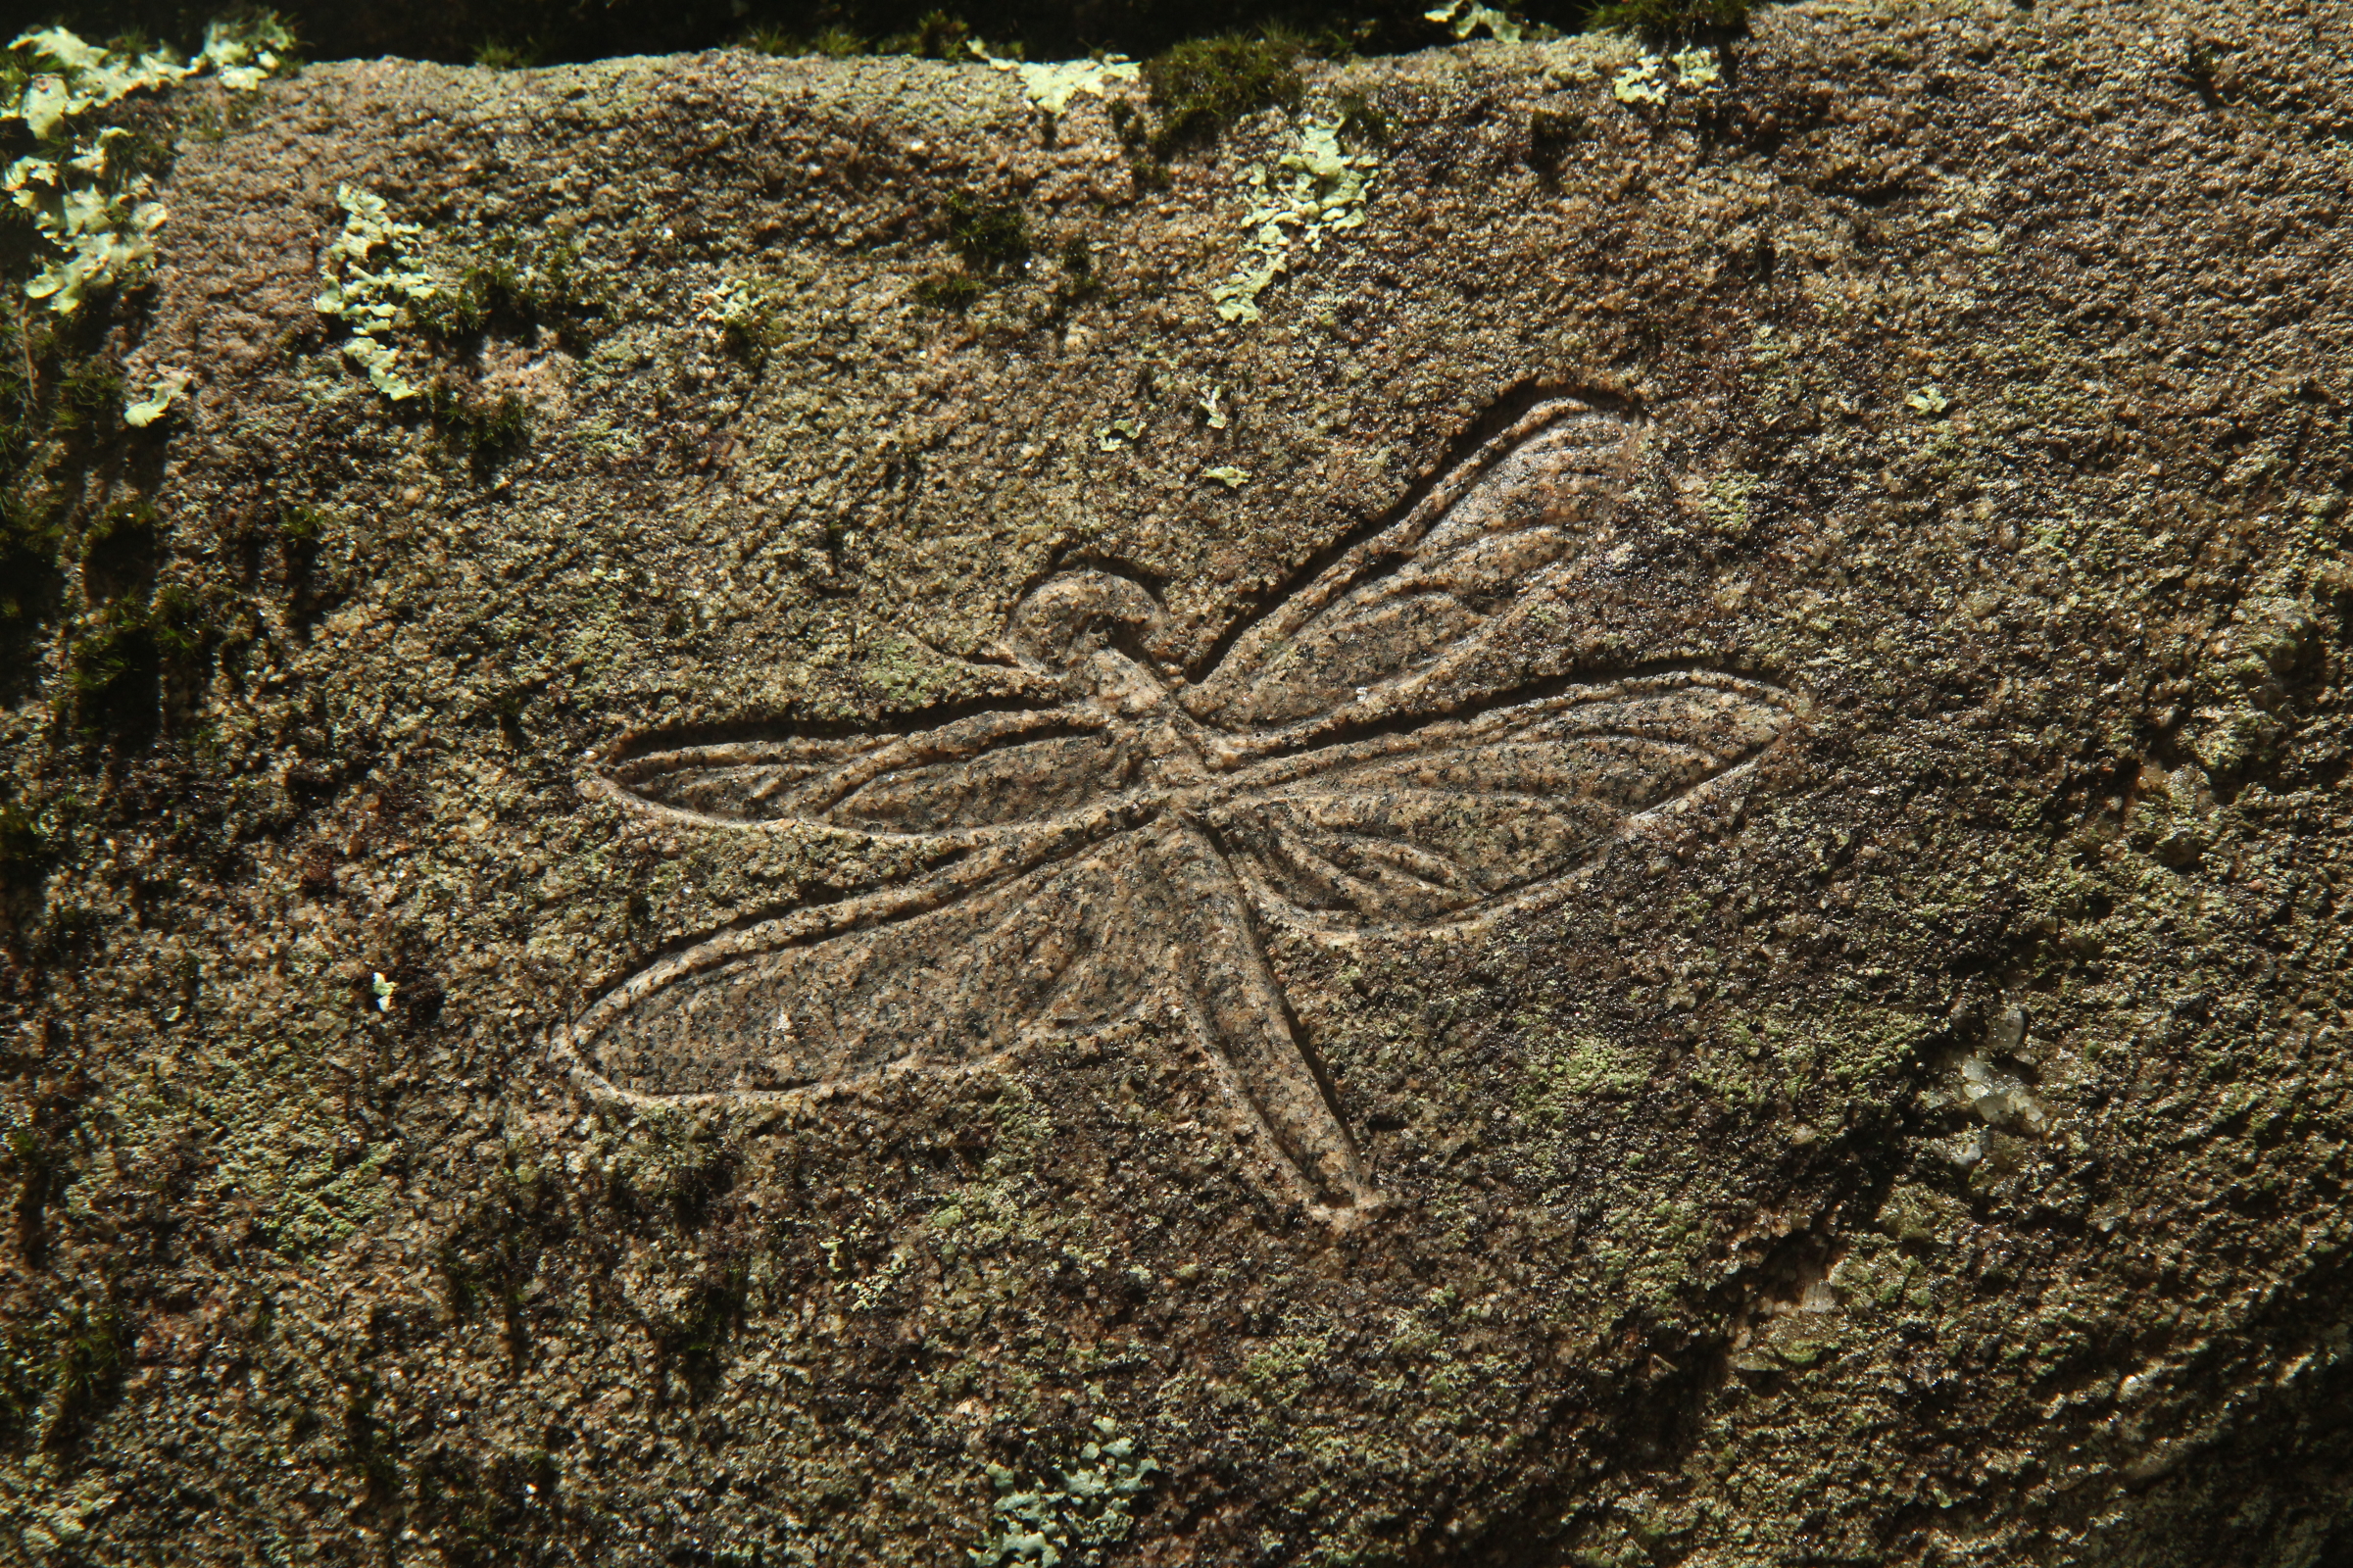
{"x": 1650, "y": 877}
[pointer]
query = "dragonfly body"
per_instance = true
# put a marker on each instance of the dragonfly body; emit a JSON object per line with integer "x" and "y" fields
{"x": 1372, "y": 757}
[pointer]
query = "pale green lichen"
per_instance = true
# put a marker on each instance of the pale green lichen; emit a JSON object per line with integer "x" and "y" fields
{"x": 745, "y": 313}
{"x": 166, "y": 391}
{"x": 1652, "y": 78}
{"x": 1467, "y": 16}
{"x": 1998, "y": 1098}
{"x": 373, "y": 287}
{"x": 1231, "y": 478}
{"x": 1091, "y": 1508}
{"x": 1051, "y": 85}
{"x": 1316, "y": 189}
{"x": 733, "y": 306}
{"x": 1696, "y": 67}
{"x": 243, "y": 53}
{"x": 1644, "y": 83}
{"x": 1117, "y": 434}
{"x": 102, "y": 238}
{"x": 67, "y": 76}
{"x": 1929, "y": 401}
{"x": 98, "y": 221}
{"x": 869, "y": 1293}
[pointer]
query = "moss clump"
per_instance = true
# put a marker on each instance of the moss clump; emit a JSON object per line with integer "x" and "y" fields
{"x": 479, "y": 425}
{"x": 506, "y": 54}
{"x": 301, "y": 526}
{"x": 27, "y": 1360}
{"x": 1672, "y": 19}
{"x": 512, "y": 284}
{"x": 88, "y": 1370}
{"x": 1552, "y": 132}
{"x": 29, "y": 544}
{"x": 1202, "y": 87}
{"x": 87, "y": 397}
{"x": 830, "y": 43}
{"x": 30, "y": 535}
{"x": 124, "y": 525}
{"x": 118, "y": 550}
{"x": 744, "y": 313}
{"x": 23, "y": 841}
{"x": 949, "y": 291}
{"x": 936, "y": 35}
{"x": 1361, "y": 121}
{"x": 992, "y": 237}
{"x": 114, "y": 663}
{"x": 179, "y": 620}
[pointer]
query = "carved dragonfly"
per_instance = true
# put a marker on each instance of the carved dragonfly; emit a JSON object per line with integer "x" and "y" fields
{"x": 1378, "y": 750}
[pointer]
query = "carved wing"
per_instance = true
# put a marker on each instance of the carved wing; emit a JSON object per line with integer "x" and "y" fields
{"x": 998, "y": 768}
{"x": 1401, "y": 622}
{"x": 936, "y": 976}
{"x": 938, "y": 972}
{"x": 1450, "y": 820}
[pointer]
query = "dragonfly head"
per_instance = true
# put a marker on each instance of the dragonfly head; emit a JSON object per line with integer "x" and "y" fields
{"x": 1104, "y": 629}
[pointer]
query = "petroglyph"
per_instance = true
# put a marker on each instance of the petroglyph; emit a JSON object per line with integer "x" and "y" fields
{"x": 1379, "y": 752}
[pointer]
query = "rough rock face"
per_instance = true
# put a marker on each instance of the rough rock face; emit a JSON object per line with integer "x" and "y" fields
{"x": 1643, "y": 865}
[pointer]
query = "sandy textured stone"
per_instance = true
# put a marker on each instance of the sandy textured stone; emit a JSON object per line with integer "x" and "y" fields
{"x": 1882, "y": 1099}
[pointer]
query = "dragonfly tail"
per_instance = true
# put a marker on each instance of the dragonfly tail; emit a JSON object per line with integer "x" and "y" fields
{"x": 1238, "y": 1011}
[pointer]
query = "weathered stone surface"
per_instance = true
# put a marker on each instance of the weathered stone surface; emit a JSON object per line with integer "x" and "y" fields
{"x": 1677, "y": 903}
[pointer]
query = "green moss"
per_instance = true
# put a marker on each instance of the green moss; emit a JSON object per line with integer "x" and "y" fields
{"x": 301, "y": 525}
{"x": 745, "y": 313}
{"x": 89, "y": 1366}
{"x": 1361, "y": 121}
{"x": 107, "y": 663}
{"x": 180, "y": 622}
{"x": 1552, "y": 132}
{"x": 1202, "y": 87}
{"x": 87, "y": 397}
{"x": 30, "y": 535}
{"x": 27, "y": 1365}
{"x": 936, "y": 35}
{"x": 478, "y": 425}
{"x": 1672, "y": 19}
{"x": 991, "y": 237}
{"x": 130, "y": 521}
{"x": 949, "y": 291}
{"x": 29, "y": 538}
{"x": 506, "y": 54}
{"x": 513, "y": 283}
{"x": 24, "y": 843}
{"x": 828, "y": 43}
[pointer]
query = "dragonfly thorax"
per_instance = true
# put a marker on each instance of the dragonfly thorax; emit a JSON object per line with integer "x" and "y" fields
{"x": 1103, "y": 633}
